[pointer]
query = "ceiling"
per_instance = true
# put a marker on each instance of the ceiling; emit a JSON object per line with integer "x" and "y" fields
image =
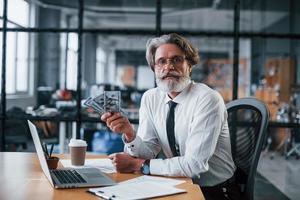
{"x": 204, "y": 15}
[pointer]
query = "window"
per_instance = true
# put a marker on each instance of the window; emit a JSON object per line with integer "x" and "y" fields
{"x": 100, "y": 65}
{"x": 72, "y": 56}
{"x": 17, "y": 65}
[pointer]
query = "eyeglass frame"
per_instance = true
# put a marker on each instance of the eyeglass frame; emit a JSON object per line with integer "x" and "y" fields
{"x": 169, "y": 61}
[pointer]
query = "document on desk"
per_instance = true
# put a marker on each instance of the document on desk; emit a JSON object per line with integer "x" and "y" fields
{"x": 155, "y": 179}
{"x": 104, "y": 164}
{"x": 136, "y": 190}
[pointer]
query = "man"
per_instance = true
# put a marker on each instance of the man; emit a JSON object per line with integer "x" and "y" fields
{"x": 192, "y": 132}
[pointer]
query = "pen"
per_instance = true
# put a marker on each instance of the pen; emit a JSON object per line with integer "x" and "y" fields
{"x": 51, "y": 150}
{"x": 102, "y": 195}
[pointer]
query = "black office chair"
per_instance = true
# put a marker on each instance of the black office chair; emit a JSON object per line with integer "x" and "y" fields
{"x": 247, "y": 120}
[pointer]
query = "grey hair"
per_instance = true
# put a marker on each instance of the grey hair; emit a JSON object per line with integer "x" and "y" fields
{"x": 191, "y": 53}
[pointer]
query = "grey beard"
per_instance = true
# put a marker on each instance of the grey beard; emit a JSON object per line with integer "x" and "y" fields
{"x": 172, "y": 85}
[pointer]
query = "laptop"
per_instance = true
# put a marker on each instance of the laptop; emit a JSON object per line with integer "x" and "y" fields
{"x": 68, "y": 177}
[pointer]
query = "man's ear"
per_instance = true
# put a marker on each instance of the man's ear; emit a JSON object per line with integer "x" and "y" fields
{"x": 190, "y": 70}
{"x": 152, "y": 68}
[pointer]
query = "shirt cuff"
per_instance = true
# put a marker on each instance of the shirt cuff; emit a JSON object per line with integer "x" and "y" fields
{"x": 131, "y": 147}
{"x": 166, "y": 167}
{"x": 156, "y": 166}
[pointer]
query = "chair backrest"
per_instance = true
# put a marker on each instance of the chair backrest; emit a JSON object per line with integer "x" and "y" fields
{"x": 247, "y": 120}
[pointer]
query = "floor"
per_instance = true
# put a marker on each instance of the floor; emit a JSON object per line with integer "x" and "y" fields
{"x": 264, "y": 190}
{"x": 281, "y": 173}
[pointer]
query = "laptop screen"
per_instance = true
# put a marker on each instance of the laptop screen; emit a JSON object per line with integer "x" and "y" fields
{"x": 39, "y": 150}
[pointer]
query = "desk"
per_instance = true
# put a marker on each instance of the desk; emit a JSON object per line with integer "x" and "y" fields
{"x": 21, "y": 177}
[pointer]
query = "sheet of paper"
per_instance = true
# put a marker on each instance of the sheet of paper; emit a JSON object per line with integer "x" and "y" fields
{"x": 135, "y": 190}
{"x": 104, "y": 164}
{"x": 155, "y": 179}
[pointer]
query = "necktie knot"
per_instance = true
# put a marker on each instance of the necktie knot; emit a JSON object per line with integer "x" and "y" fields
{"x": 172, "y": 104}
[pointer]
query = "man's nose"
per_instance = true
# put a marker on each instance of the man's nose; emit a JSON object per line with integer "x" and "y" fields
{"x": 169, "y": 65}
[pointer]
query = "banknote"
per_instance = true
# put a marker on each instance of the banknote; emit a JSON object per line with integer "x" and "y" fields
{"x": 109, "y": 101}
{"x": 112, "y": 100}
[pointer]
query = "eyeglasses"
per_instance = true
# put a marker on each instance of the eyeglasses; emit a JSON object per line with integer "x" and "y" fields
{"x": 175, "y": 61}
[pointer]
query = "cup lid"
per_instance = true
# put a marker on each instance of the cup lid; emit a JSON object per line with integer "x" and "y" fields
{"x": 77, "y": 143}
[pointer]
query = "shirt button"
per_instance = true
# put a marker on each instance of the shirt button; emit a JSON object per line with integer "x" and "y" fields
{"x": 224, "y": 189}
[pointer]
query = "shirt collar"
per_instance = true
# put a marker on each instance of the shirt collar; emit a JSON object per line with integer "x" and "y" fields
{"x": 181, "y": 96}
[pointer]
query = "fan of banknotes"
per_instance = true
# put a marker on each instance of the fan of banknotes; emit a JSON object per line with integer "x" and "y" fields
{"x": 109, "y": 101}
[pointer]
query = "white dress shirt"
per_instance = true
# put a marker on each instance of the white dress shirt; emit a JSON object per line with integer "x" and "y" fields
{"x": 201, "y": 133}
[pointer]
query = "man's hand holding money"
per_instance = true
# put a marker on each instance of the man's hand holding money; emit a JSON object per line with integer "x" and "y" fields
{"x": 119, "y": 124}
{"x": 108, "y": 106}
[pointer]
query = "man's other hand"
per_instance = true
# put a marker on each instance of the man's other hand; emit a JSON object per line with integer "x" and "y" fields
{"x": 125, "y": 163}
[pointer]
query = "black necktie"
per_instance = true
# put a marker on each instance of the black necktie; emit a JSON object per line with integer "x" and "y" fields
{"x": 170, "y": 127}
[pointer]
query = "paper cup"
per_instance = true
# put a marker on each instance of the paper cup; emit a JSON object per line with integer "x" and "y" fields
{"x": 77, "y": 151}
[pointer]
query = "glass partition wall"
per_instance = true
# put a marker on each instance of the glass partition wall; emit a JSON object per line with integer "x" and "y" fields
{"x": 61, "y": 52}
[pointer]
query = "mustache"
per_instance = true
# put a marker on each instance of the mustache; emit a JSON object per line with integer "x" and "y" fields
{"x": 162, "y": 75}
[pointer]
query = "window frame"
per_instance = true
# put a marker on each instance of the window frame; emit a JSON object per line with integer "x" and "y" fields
{"x": 18, "y": 93}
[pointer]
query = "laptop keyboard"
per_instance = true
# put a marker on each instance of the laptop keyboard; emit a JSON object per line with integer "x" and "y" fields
{"x": 68, "y": 176}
